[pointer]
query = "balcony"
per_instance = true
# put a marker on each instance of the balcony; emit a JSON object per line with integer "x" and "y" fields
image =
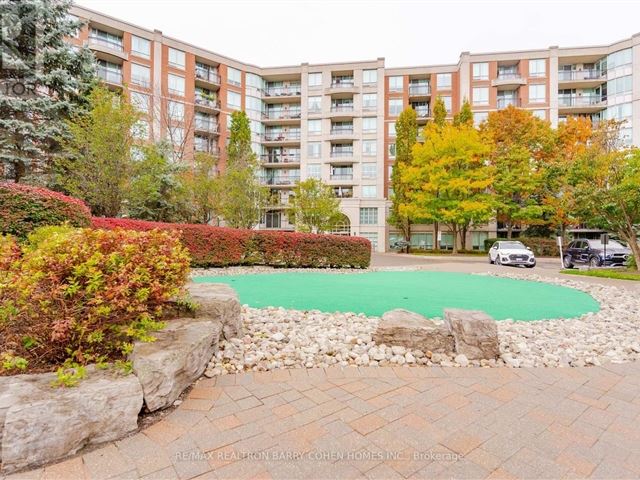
{"x": 201, "y": 125}
{"x": 282, "y": 137}
{"x": 342, "y": 86}
{"x": 422, "y": 112}
{"x": 284, "y": 116}
{"x": 109, "y": 76}
{"x": 504, "y": 102}
{"x": 279, "y": 159}
{"x": 341, "y": 132}
{"x": 206, "y": 103}
{"x": 280, "y": 181}
{"x": 419, "y": 90}
{"x": 508, "y": 80}
{"x": 342, "y": 110}
{"x": 341, "y": 153}
{"x": 208, "y": 77}
{"x": 581, "y": 78}
{"x": 205, "y": 147}
{"x": 288, "y": 91}
{"x": 110, "y": 48}
{"x": 341, "y": 177}
{"x": 343, "y": 192}
{"x": 580, "y": 103}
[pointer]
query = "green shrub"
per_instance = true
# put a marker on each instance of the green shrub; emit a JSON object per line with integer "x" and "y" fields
{"x": 77, "y": 296}
{"x": 24, "y": 208}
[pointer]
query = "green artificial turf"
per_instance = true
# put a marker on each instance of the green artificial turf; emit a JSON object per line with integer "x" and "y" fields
{"x": 428, "y": 293}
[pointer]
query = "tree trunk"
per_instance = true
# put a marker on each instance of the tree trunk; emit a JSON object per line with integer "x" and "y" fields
{"x": 407, "y": 235}
{"x": 454, "y": 231}
{"x": 436, "y": 244}
{"x": 463, "y": 237}
{"x": 635, "y": 248}
{"x": 509, "y": 230}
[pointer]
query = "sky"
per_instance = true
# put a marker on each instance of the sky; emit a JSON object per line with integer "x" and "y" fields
{"x": 406, "y": 32}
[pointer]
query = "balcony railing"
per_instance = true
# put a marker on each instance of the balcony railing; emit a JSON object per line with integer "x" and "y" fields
{"x": 422, "y": 112}
{"x": 141, "y": 81}
{"x": 206, "y": 148}
{"x": 280, "y": 158}
{"x": 281, "y": 136}
{"x": 109, "y": 76}
{"x": 419, "y": 89}
{"x": 505, "y": 102}
{"x": 508, "y": 75}
{"x": 341, "y": 176}
{"x": 112, "y": 44}
{"x": 342, "y": 83}
{"x": 206, "y": 126}
{"x": 341, "y": 153}
{"x": 207, "y": 75}
{"x": 342, "y": 108}
{"x": 341, "y": 130}
{"x": 283, "y": 180}
{"x": 207, "y": 102}
{"x": 281, "y": 114}
{"x": 343, "y": 193}
{"x": 579, "y": 100}
{"x": 291, "y": 90}
{"x": 570, "y": 75}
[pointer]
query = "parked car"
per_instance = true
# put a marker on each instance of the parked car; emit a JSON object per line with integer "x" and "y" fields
{"x": 400, "y": 244}
{"x": 592, "y": 252}
{"x": 511, "y": 252}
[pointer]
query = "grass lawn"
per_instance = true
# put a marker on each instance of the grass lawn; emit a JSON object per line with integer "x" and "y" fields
{"x": 427, "y": 293}
{"x": 619, "y": 274}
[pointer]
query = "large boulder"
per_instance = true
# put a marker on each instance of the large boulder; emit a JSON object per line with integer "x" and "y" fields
{"x": 177, "y": 357}
{"x": 475, "y": 333}
{"x": 40, "y": 423}
{"x": 218, "y": 301}
{"x": 412, "y": 330}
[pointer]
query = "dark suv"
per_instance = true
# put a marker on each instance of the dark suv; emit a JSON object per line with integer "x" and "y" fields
{"x": 592, "y": 253}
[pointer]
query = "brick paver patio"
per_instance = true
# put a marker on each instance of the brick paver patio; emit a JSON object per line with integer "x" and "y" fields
{"x": 387, "y": 423}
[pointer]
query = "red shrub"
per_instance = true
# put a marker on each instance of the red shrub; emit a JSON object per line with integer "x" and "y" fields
{"x": 220, "y": 246}
{"x": 24, "y": 208}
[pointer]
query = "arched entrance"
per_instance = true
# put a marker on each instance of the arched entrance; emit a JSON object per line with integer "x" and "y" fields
{"x": 342, "y": 227}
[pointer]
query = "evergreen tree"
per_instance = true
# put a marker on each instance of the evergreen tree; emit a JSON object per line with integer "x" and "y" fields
{"x": 439, "y": 112}
{"x": 406, "y": 133}
{"x": 44, "y": 82}
{"x": 465, "y": 116}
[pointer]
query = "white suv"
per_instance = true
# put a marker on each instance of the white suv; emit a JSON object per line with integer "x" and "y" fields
{"x": 510, "y": 252}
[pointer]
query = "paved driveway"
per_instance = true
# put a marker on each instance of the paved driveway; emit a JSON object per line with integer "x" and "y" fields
{"x": 387, "y": 423}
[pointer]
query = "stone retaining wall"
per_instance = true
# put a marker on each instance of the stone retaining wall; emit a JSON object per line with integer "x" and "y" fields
{"x": 40, "y": 423}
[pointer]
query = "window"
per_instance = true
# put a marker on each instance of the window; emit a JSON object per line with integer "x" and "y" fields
{"x": 176, "y": 58}
{"x": 395, "y": 107}
{"x": 137, "y": 154}
{"x": 369, "y": 170}
{"x": 537, "y": 67}
{"x": 420, "y": 240}
{"x": 372, "y": 237}
{"x": 477, "y": 240}
{"x": 175, "y": 110}
{"x": 396, "y": 84}
{"x": 254, "y": 81}
{"x": 140, "y": 46}
{"x": 177, "y": 135}
{"x": 446, "y": 241}
{"x": 369, "y": 124}
{"x": 234, "y": 77}
{"x": 140, "y": 130}
{"x": 479, "y": 117}
{"x": 314, "y": 149}
{"x": 253, "y": 103}
{"x": 481, "y": 71}
{"x": 140, "y": 75}
{"x": 481, "y": 96}
{"x": 314, "y": 127}
{"x": 140, "y": 101}
{"x": 443, "y": 81}
{"x": 315, "y": 79}
{"x": 447, "y": 103}
{"x": 369, "y": 147}
{"x": 619, "y": 85}
{"x": 392, "y": 150}
{"x": 369, "y": 76}
{"x": 537, "y": 93}
{"x": 617, "y": 59}
{"x": 234, "y": 100}
{"x": 369, "y": 191}
{"x": 314, "y": 104}
{"x": 314, "y": 170}
{"x": 176, "y": 84}
{"x": 541, "y": 114}
{"x": 392, "y": 129}
{"x": 369, "y": 216}
{"x": 370, "y": 101}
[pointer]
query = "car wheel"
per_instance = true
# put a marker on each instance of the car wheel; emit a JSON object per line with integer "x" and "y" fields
{"x": 530, "y": 266}
{"x": 594, "y": 262}
{"x": 566, "y": 261}
{"x": 490, "y": 261}
{"x": 498, "y": 261}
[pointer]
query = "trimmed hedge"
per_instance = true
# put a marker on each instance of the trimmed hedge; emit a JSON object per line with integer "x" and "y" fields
{"x": 220, "y": 246}
{"x": 541, "y": 247}
{"x": 24, "y": 208}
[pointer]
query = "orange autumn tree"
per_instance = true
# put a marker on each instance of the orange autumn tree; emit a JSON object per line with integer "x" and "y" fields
{"x": 521, "y": 145}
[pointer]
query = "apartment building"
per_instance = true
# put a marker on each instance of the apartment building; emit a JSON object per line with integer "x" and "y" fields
{"x": 336, "y": 122}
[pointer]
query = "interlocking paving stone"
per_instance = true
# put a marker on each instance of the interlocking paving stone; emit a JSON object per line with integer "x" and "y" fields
{"x": 386, "y": 423}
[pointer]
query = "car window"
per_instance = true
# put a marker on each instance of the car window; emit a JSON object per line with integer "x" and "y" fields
{"x": 511, "y": 245}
